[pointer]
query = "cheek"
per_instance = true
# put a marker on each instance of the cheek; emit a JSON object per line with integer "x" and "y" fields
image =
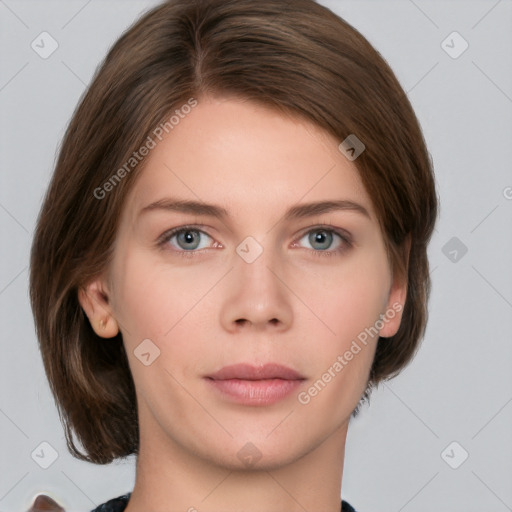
{"x": 157, "y": 301}
{"x": 345, "y": 298}
{"x": 348, "y": 300}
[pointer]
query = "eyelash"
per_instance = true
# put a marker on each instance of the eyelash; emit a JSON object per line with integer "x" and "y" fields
{"x": 345, "y": 239}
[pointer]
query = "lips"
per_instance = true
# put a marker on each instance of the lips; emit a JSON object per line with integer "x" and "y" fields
{"x": 249, "y": 372}
{"x": 246, "y": 384}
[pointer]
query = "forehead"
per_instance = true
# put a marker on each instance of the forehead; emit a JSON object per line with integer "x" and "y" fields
{"x": 246, "y": 157}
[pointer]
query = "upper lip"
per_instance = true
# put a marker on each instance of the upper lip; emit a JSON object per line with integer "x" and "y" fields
{"x": 246, "y": 371}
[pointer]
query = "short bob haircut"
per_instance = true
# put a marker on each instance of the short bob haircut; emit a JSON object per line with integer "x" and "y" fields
{"x": 297, "y": 57}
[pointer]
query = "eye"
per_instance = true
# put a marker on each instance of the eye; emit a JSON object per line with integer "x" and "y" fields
{"x": 185, "y": 238}
{"x": 321, "y": 240}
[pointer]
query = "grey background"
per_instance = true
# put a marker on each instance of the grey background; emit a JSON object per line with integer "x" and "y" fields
{"x": 459, "y": 387}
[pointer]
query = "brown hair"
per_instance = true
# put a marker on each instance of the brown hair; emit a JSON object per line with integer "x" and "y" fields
{"x": 297, "y": 57}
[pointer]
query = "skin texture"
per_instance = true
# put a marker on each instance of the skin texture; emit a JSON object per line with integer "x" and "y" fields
{"x": 293, "y": 305}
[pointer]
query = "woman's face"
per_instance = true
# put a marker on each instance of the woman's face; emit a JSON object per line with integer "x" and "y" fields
{"x": 257, "y": 278}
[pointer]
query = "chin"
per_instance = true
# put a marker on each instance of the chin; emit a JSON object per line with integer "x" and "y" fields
{"x": 259, "y": 453}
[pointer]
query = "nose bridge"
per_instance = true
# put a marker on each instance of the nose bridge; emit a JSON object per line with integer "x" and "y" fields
{"x": 253, "y": 262}
{"x": 256, "y": 296}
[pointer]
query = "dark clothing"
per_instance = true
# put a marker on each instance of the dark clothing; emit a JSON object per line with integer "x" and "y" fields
{"x": 120, "y": 503}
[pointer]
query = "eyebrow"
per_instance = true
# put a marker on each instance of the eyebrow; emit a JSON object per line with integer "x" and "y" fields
{"x": 295, "y": 212}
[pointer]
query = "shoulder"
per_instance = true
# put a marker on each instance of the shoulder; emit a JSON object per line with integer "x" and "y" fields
{"x": 44, "y": 502}
{"x": 119, "y": 504}
{"x": 114, "y": 505}
{"x": 347, "y": 507}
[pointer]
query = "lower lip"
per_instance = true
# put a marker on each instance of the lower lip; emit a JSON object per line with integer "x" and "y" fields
{"x": 255, "y": 392}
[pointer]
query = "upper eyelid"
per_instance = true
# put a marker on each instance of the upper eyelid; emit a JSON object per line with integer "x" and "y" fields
{"x": 337, "y": 231}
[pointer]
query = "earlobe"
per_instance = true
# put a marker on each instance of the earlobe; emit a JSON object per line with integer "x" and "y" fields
{"x": 392, "y": 317}
{"x": 95, "y": 303}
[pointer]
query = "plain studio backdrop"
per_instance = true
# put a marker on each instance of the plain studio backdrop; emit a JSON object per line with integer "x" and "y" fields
{"x": 438, "y": 435}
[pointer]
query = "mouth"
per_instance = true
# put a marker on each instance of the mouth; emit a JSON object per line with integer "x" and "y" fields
{"x": 255, "y": 385}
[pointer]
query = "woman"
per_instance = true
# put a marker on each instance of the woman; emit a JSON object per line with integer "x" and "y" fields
{"x": 232, "y": 254}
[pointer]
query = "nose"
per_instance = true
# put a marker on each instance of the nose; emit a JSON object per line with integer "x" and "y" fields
{"x": 256, "y": 296}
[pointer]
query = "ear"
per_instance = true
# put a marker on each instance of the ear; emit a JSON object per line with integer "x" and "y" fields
{"x": 94, "y": 299}
{"x": 392, "y": 316}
